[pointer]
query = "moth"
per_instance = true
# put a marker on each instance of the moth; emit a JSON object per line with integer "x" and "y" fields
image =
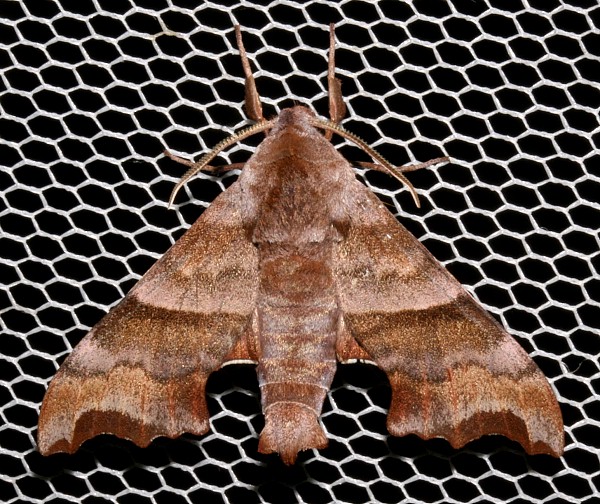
{"x": 298, "y": 266}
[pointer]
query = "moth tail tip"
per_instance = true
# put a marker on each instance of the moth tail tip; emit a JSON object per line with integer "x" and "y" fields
{"x": 289, "y": 429}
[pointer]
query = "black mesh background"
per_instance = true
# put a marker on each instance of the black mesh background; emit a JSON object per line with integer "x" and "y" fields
{"x": 93, "y": 91}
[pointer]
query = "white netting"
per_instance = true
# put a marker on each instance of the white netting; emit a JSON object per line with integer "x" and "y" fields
{"x": 94, "y": 91}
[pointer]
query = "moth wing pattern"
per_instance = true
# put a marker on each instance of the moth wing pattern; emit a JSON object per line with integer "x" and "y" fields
{"x": 454, "y": 371}
{"x": 141, "y": 371}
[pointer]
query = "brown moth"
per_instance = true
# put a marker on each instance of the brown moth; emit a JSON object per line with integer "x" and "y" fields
{"x": 297, "y": 266}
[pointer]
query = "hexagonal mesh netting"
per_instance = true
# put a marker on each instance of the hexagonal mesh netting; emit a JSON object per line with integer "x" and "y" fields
{"x": 95, "y": 90}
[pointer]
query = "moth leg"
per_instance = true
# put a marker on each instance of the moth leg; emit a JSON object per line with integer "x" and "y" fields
{"x": 183, "y": 161}
{"x": 225, "y": 168}
{"x": 337, "y": 107}
{"x": 253, "y": 104}
{"x": 208, "y": 168}
{"x": 403, "y": 169}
